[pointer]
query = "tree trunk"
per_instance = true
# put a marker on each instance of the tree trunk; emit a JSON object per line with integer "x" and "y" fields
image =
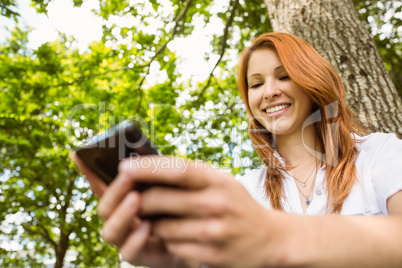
{"x": 334, "y": 28}
{"x": 61, "y": 250}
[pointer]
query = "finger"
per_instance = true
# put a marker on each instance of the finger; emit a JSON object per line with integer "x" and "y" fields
{"x": 167, "y": 170}
{"x": 122, "y": 221}
{"x": 113, "y": 196}
{"x": 191, "y": 230}
{"x": 203, "y": 253}
{"x": 133, "y": 245}
{"x": 176, "y": 202}
{"x": 96, "y": 184}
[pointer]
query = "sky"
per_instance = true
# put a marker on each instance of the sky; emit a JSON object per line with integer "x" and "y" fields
{"x": 81, "y": 23}
{"x": 63, "y": 17}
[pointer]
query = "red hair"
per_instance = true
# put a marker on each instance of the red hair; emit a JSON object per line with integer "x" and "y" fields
{"x": 322, "y": 83}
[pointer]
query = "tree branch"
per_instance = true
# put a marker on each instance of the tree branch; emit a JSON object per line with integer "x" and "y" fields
{"x": 44, "y": 233}
{"x": 5, "y": 11}
{"x": 83, "y": 77}
{"x": 72, "y": 227}
{"x": 68, "y": 196}
{"x": 174, "y": 31}
{"x": 47, "y": 234}
{"x": 177, "y": 19}
{"x": 225, "y": 37}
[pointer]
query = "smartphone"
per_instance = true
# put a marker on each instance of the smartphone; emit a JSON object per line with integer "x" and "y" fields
{"x": 103, "y": 152}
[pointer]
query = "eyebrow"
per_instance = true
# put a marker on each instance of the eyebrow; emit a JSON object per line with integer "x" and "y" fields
{"x": 278, "y": 68}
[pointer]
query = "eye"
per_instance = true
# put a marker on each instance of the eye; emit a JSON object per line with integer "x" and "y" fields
{"x": 256, "y": 85}
{"x": 284, "y": 77}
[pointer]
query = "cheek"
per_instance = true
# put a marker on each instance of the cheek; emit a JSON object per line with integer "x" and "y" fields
{"x": 306, "y": 109}
{"x": 252, "y": 101}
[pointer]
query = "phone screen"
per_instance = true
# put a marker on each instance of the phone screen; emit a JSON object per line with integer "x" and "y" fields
{"x": 103, "y": 152}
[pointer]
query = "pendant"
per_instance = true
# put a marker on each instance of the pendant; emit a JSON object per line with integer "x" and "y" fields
{"x": 308, "y": 202}
{"x": 304, "y": 184}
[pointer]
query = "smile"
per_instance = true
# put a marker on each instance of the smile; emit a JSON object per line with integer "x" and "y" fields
{"x": 277, "y": 108}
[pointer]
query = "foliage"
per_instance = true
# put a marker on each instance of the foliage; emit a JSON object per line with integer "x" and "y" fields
{"x": 40, "y": 186}
{"x": 55, "y": 96}
{"x": 384, "y": 21}
{"x": 9, "y": 8}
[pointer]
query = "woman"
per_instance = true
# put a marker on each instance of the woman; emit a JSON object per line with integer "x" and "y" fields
{"x": 314, "y": 164}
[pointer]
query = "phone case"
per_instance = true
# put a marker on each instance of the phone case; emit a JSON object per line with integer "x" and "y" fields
{"x": 103, "y": 152}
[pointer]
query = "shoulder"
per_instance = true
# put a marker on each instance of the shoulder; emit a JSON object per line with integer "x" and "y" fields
{"x": 254, "y": 181}
{"x": 376, "y": 138}
{"x": 384, "y": 143}
{"x": 379, "y": 165}
{"x": 379, "y": 153}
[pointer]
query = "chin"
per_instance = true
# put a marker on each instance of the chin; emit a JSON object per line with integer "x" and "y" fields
{"x": 279, "y": 133}
{"x": 280, "y": 129}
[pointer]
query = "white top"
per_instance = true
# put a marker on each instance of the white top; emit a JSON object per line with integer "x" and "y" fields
{"x": 379, "y": 176}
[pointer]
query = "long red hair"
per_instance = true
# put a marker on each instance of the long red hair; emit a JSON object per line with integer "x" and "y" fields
{"x": 335, "y": 123}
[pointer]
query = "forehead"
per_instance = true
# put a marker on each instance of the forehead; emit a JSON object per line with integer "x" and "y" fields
{"x": 264, "y": 59}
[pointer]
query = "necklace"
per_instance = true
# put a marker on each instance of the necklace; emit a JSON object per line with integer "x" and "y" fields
{"x": 308, "y": 201}
{"x": 308, "y": 177}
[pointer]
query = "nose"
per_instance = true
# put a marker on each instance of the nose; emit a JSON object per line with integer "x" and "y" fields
{"x": 271, "y": 90}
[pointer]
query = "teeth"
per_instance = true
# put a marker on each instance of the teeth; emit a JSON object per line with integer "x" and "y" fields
{"x": 277, "y": 108}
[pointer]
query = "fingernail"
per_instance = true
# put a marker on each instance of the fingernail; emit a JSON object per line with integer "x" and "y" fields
{"x": 129, "y": 201}
{"x": 128, "y": 164}
{"x": 123, "y": 181}
{"x": 144, "y": 228}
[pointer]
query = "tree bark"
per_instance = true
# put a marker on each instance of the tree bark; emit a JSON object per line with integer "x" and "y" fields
{"x": 334, "y": 28}
{"x": 61, "y": 250}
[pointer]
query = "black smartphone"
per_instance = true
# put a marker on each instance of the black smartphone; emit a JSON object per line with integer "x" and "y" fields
{"x": 103, "y": 152}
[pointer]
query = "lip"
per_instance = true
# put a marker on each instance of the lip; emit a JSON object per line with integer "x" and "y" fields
{"x": 277, "y": 113}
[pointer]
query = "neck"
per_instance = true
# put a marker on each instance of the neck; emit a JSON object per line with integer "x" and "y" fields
{"x": 294, "y": 148}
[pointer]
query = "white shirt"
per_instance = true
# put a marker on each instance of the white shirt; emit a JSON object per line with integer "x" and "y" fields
{"x": 379, "y": 176}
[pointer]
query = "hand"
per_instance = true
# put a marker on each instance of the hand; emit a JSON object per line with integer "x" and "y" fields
{"x": 217, "y": 222}
{"x": 96, "y": 184}
{"x": 122, "y": 226}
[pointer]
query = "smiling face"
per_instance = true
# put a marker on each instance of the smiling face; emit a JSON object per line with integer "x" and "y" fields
{"x": 277, "y": 102}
